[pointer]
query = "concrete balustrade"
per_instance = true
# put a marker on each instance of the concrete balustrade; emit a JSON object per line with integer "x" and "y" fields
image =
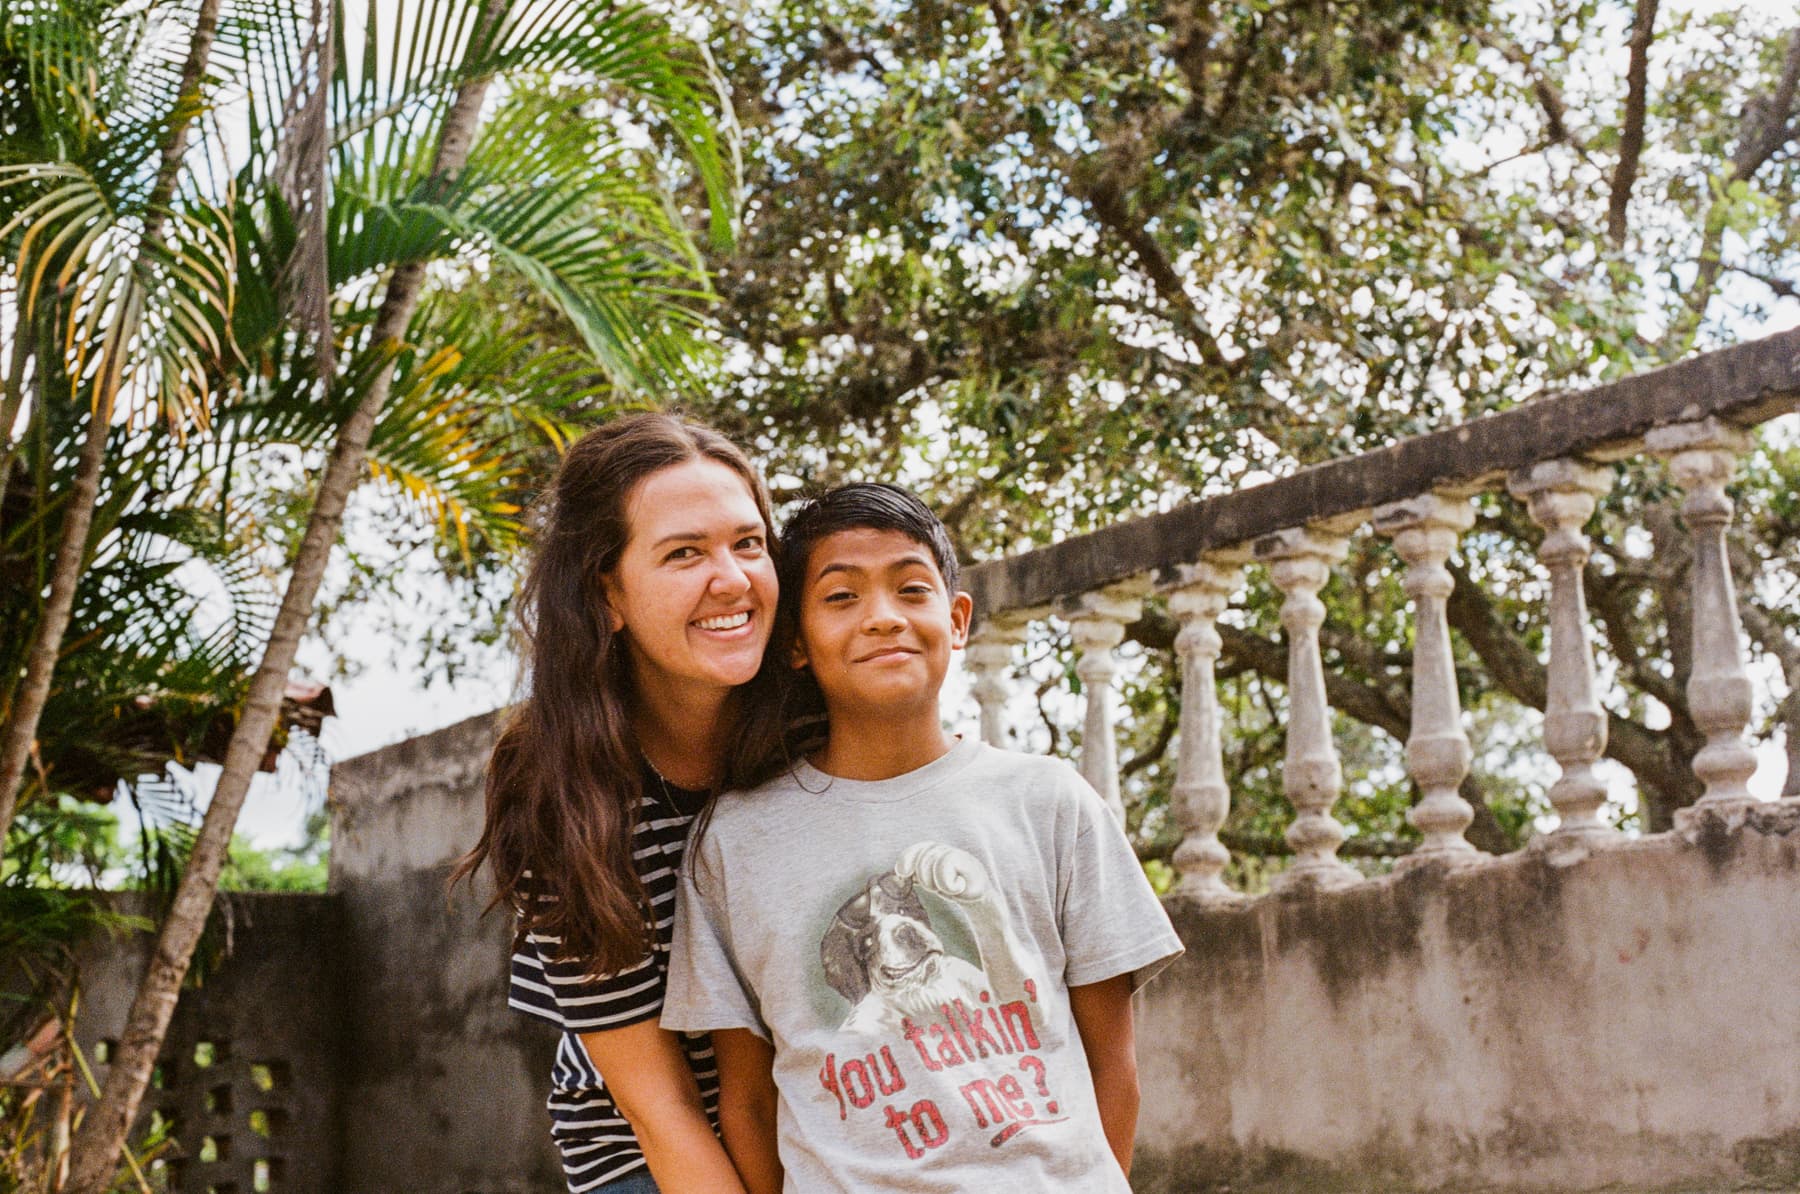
{"x": 1202, "y": 794}
{"x": 1702, "y": 457}
{"x": 1548, "y": 456}
{"x": 1425, "y": 530}
{"x": 1299, "y": 564}
{"x": 989, "y": 658}
{"x": 1097, "y": 624}
{"x": 1560, "y": 496}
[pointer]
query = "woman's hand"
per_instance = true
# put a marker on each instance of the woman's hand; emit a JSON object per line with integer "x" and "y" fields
{"x": 747, "y": 1103}
{"x": 646, "y": 1071}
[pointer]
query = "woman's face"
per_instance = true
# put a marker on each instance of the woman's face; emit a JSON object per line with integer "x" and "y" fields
{"x": 694, "y": 590}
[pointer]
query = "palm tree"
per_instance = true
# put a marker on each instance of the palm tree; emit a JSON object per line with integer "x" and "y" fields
{"x": 123, "y": 278}
{"x": 413, "y": 183}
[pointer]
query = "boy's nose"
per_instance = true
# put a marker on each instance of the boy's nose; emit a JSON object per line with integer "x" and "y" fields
{"x": 883, "y": 618}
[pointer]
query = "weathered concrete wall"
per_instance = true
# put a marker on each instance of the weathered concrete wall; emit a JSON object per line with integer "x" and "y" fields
{"x": 251, "y": 1058}
{"x": 442, "y": 1087}
{"x": 1625, "y": 1021}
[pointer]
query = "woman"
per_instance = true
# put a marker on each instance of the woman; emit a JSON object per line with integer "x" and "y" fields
{"x": 647, "y": 605}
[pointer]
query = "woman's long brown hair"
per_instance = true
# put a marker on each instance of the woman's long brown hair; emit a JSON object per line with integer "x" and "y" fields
{"x": 564, "y": 782}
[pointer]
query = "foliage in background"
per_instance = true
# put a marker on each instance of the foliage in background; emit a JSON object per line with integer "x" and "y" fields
{"x": 1061, "y": 264}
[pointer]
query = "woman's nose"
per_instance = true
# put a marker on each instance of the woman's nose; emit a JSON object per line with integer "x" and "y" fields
{"x": 729, "y": 578}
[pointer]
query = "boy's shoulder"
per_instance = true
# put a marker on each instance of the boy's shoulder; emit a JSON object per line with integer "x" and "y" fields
{"x": 1031, "y": 777}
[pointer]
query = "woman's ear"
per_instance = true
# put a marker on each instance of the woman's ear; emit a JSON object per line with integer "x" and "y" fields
{"x": 962, "y": 609}
{"x": 797, "y": 655}
{"x": 609, "y": 590}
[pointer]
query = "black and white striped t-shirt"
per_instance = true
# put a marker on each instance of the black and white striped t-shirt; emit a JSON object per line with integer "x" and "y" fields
{"x": 596, "y": 1143}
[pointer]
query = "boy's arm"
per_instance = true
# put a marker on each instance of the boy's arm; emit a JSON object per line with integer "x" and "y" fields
{"x": 1102, "y": 1014}
{"x": 747, "y": 1107}
{"x": 651, "y": 1084}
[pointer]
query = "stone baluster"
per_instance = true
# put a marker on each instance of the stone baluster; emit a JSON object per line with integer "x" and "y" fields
{"x": 1560, "y": 496}
{"x": 1097, "y": 624}
{"x": 1702, "y": 457}
{"x": 1201, "y": 796}
{"x": 1425, "y": 530}
{"x": 1300, "y": 562}
{"x": 989, "y": 658}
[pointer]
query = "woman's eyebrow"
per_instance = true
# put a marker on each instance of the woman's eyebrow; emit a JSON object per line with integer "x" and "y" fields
{"x": 695, "y": 536}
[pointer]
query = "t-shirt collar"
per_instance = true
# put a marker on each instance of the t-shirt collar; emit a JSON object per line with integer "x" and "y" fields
{"x": 961, "y": 753}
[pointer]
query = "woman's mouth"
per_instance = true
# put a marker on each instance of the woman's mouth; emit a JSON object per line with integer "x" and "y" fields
{"x": 724, "y": 621}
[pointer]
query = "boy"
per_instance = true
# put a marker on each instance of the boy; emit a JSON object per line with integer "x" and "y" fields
{"x": 916, "y": 954}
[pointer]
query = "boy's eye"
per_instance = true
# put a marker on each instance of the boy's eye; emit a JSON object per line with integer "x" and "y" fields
{"x": 917, "y": 588}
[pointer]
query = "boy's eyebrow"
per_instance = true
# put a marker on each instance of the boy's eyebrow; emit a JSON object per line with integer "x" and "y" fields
{"x": 922, "y": 561}
{"x": 695, "y": 536}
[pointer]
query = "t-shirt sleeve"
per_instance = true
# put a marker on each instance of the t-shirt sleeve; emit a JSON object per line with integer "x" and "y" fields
{"x": 565, "y": 994}
{"x": 1112, "y": 922}
{"x": 707, "y": 990}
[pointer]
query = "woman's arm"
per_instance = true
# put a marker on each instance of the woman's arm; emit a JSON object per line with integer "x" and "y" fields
{"x": 1102, "y": 1014}
{"x": 647, "y": 1074}
{"x": 747, "y": 1107}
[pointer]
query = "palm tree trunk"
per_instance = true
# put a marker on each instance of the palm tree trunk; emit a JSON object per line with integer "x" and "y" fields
{"x": 71, "y": 553}
{"x": 102, "y": 1134}
{"x": 12, "y": 404}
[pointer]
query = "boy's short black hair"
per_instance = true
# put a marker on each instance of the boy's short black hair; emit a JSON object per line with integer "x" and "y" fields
{"x": 863, "y": 505}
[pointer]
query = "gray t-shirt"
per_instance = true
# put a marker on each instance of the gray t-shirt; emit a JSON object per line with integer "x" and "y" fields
{"x": 907, "y": 946}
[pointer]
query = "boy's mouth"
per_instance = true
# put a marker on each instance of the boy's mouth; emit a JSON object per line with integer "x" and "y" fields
{"x": 887, "y": 653}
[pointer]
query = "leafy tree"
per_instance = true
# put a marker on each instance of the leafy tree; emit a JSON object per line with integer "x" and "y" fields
{"x": 1063, "y": 264}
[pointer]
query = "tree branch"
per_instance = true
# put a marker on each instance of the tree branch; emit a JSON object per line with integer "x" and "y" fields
{"x": 1631, "y": 137}
{"x": 1106, "y": 199}
{"x": 1768, "y": 119}
{"x": 1165, "y": 734}
{"x": 1766, "y": 128}
{"x": 1773, "y": 638}
{"x": 1781, "y": 286}
{"x": 1605, "y": 594}
{"x": 1274, "y": 845}
{"x": 1549, "y": 97}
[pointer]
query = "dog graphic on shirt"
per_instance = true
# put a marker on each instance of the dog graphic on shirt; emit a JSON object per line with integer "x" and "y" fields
{"x": 882, "y": 955}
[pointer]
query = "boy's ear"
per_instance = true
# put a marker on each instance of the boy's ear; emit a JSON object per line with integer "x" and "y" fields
{"x": 962, "y": 608}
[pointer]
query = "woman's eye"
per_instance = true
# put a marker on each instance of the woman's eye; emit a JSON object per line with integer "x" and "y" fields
{"x": 750, "y": 543}
{"x": 683, "y": 553}
{"x": 839, "y": 598}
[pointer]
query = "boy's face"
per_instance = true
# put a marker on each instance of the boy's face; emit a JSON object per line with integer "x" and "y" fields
{"x": 877, "y": 623}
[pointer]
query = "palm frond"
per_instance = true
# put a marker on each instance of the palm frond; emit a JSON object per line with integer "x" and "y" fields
{"x": 461, "y": 437}
{"x": 151, "y": 312}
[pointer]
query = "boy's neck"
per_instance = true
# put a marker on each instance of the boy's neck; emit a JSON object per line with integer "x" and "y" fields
{"x": 876, "y": 748}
